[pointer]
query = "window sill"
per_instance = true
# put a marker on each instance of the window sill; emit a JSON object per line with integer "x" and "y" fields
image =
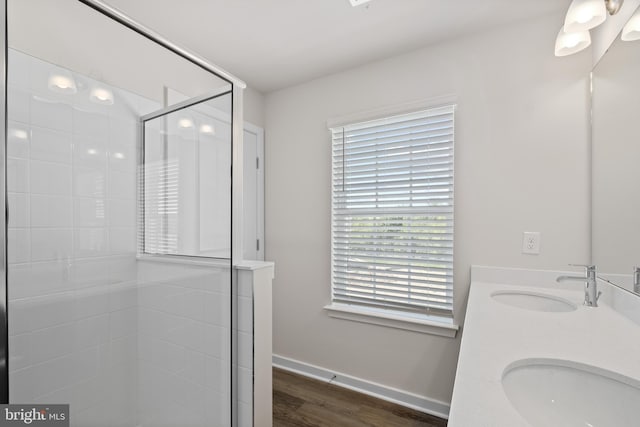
{"x": 432, "y": 325}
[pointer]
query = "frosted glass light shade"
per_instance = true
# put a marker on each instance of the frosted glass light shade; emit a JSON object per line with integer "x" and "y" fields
{"x": 207, "y": 129}
{"x": 185, "y": 123}
{"x": 584, "y": 15}
{"x": 101, "y": 96}
{"x": 631, "y": 30}
{"x": 570, "y": 43}
{"x": 62, "y": 82}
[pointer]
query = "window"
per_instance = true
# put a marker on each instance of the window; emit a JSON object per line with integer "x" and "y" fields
{"x": 392, "y": 213}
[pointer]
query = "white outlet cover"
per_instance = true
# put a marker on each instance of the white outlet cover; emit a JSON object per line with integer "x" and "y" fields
{"x": 531, "y": 242}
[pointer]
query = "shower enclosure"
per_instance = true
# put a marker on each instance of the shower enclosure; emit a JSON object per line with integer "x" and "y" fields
{"x": 119, "y": 246}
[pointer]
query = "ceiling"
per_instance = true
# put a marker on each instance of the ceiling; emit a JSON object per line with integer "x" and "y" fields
{"x": 272, "y": 44}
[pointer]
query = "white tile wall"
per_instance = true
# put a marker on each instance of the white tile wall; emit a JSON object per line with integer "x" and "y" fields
{"x": 127, "y": 343}
{"x": 185, "y": 345}
{"x": 50, "y": 145}
{"x": 73, "y": 329}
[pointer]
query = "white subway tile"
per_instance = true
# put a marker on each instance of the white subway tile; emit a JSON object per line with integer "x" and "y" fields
{"x": 89, "y": 182}
{"x": 18, "y": 175}
{"x": 18, "y": 140}
{"x": 88, "y": 394}
{"x": 122, "y": 213}
{"x": 50, "y": 277}
{"x": 122, "y": 161}
{"x": 91, "y": 332}
{"x": 216, "y": 372}
{"x": 122, "y": 239}
{"x": 49, "y": 112}
{"x": 20, "y": 351}
{"x": 122, "y": 268}
{"x": 51, "y": 211}
{"x": 18, "y": 209}
{"x": 245, "y": 350}
{"x": 90, "y": 123}
{"x": 18, "y": 281}
{"x": 91, "y": 302}
{"x": 18, "y": 245}
{"x": 89, "y": 152}
{"x": 19, "y": 68}
{"x": 123, "y": 296}
{"x": 90, "y": 242}
{"x": 18, "y": 104}
{"x": 216, "y": 341}
{"x": 35, "y": 313}
{"x": 85, "y": 365}
{"x": 218, "y": 308}
{"x": 90, "y": 272}
{"x": 123, "y": 322}
{"x": 168, "y": 356}
{"x": 51, "y": 244}
{"x": 124, "y": 353}
{"x": 53, "y": 342}
{"x": 194, "y": 368}
{"x": 122, "y": 185}
{"x": 245, "y": 314}
{"x": 89, "y": 212}
{"x": 50, "y": 178}
{"x": 50, "y": 145}
{"x": 245, "y": 385}
{"x": 218, "y": 410}
{"x": 245, "y": 414}
{"x": 22, "y": 385}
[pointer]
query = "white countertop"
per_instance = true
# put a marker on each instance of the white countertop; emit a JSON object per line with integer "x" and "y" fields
{"x": 496, "y": 334}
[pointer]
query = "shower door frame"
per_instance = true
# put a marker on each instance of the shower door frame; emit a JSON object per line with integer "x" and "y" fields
{"x": 236, "y": 90}
{"x": 4, "y": 325}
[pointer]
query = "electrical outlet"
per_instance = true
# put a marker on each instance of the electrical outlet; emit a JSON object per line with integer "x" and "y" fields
{"x": 531, "y": 242}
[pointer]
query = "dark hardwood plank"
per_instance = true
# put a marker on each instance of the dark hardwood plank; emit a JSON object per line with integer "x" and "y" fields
{"x": 299, "y": 401}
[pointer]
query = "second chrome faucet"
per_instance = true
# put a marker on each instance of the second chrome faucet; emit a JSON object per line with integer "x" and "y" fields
{"x": 591, "y": 294}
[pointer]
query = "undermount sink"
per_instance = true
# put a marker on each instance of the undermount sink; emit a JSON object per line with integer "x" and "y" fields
{"x": 551, "y": 392}
{"x": 534, "y": 301}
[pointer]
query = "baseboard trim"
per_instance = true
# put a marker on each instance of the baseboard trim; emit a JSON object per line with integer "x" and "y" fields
{"x": 410, "y": 400}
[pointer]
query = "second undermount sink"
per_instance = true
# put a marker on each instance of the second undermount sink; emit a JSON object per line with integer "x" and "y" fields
{"x": 551, "y": 392}
{"x": 534, "y": 301}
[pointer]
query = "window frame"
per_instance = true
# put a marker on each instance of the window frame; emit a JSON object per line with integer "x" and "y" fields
{"x": 438, "y": 323}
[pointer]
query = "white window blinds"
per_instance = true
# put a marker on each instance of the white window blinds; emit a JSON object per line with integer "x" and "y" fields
{"x": 392, "y": 212}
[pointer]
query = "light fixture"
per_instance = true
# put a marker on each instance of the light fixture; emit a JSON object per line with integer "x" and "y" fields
{"x": 185, "y": 123}
{"x": 20, "y": 134}
{"x": 118, "y": 155}
{"x": 613, "y": 6}
{"x": 570, "y": 43}
{"x": 207, "y": 129}
{"x": 101, "y": 95}
{"x": 62, "y": 82}
{"x": 584, "y": 15}
{"x": 631, "y": 30}
{"x": 355, "y": 3}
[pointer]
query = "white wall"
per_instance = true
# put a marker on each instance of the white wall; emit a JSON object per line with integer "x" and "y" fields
{"x": 253, "y": 104}
{"x": 522, "y": 165}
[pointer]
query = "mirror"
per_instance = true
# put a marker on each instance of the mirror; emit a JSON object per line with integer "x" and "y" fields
{"x": 616, "y": 162}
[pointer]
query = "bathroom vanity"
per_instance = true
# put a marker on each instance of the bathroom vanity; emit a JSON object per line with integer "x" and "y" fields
{"x": 533, "y": 355}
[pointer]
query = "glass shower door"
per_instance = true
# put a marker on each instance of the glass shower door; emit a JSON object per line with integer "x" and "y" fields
{"x": 119, "y": 255}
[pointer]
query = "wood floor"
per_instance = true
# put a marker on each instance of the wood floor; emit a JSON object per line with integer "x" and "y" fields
{"x": 303, "y": 402}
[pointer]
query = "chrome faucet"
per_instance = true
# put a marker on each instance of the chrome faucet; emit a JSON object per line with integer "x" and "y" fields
{"x": 591, "y": 294}
{"x": 636, "y": 280}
